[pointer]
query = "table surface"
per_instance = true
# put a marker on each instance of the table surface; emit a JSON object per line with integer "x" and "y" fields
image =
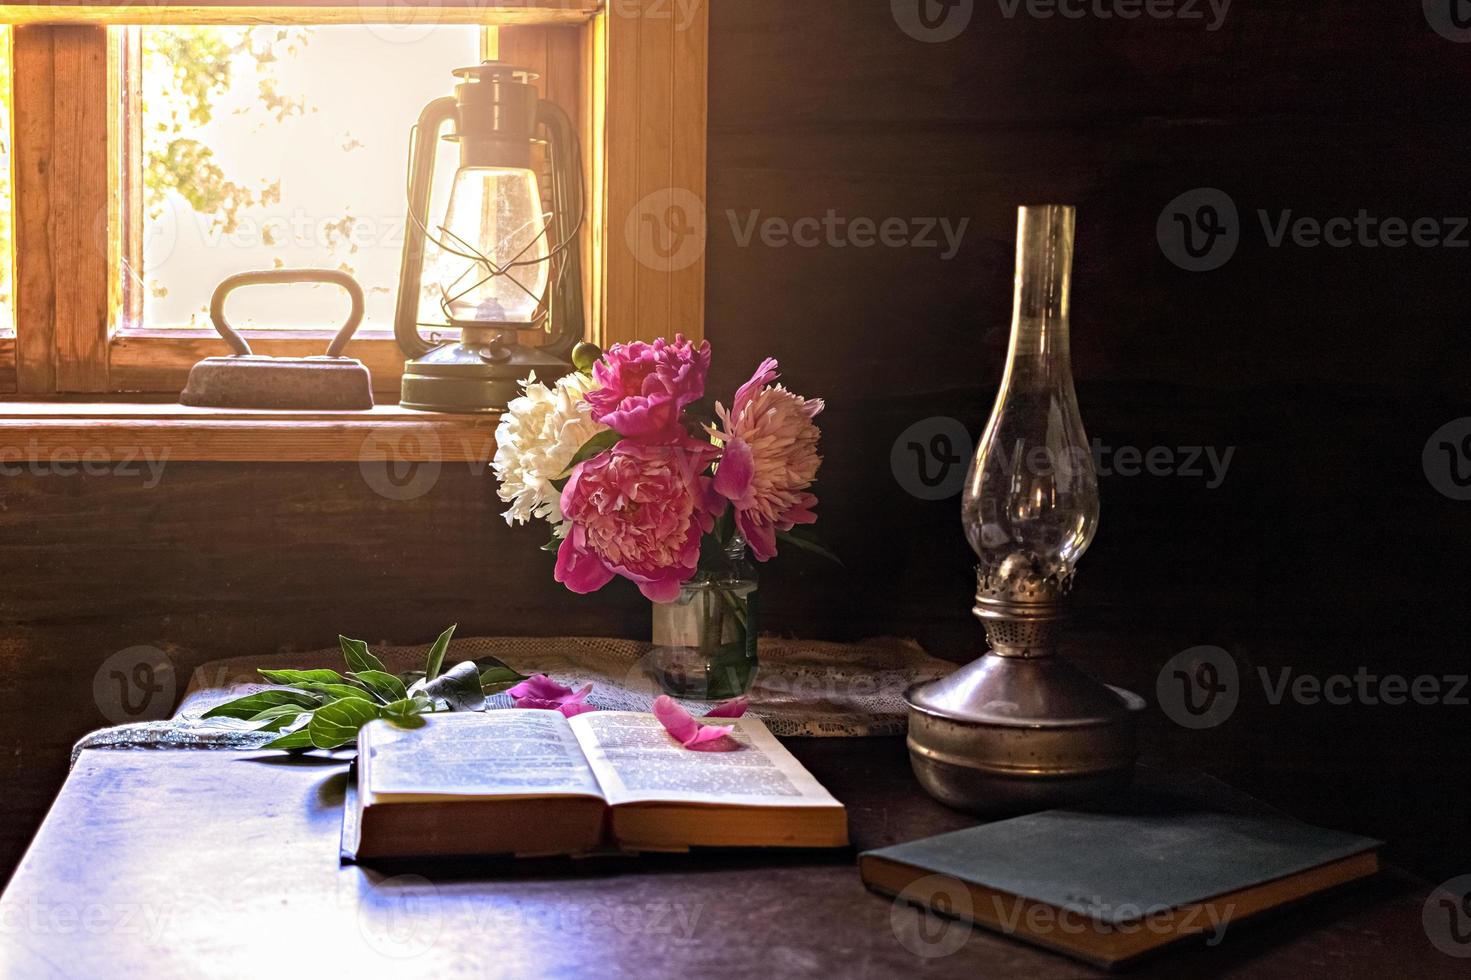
{"x": 223, "y": 864}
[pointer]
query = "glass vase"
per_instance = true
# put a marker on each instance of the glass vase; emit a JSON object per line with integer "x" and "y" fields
{"x": 705, "y": 641}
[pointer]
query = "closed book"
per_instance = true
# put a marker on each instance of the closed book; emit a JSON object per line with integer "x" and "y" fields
{"x": 1112, "y": 884}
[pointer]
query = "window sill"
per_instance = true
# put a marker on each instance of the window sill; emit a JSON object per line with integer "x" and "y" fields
{"x": 78, "y": 432}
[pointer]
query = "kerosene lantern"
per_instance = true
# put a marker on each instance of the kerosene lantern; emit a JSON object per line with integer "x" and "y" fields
{"x": 1021, "y": 727}
{"x": 502, "y": 266}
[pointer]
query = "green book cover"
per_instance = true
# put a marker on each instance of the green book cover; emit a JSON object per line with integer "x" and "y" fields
{"x": 1119, "y": 880}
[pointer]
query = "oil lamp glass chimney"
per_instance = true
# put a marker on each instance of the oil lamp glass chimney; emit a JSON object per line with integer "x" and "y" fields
{"x": 1031, "y": 500}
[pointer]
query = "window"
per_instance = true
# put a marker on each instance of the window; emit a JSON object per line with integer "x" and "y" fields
{"x": 272, "y": 147}
{"x": 7, "y": 266}
{"x": 160, "y": 147}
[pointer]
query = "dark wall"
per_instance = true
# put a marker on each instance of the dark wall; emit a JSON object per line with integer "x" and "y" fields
{"x": 1324, "y": 549}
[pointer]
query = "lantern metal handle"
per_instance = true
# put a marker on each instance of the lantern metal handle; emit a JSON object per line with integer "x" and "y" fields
{"x": 566, "y": 292}
{"x": 410, "y": 273}
{"x": 331, "y": 277}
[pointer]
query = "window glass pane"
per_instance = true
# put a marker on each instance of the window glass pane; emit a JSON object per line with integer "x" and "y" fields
{"x": 7, "y": 250}
{"x": 271, "y": 147}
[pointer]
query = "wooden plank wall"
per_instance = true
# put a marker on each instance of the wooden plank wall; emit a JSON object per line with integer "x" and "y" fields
{"x": 1324, "y": 548}
{"x": 654, "y": 180}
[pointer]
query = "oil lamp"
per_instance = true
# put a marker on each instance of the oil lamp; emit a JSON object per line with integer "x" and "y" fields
{"x": 1021, "y": 727}
{"x": 502, "y": 267}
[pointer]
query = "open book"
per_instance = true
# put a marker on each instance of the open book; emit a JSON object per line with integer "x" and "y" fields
{"x": 533, "y": 783}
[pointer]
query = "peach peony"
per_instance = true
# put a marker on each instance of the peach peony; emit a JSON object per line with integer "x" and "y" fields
{"x": 769, "y": 459}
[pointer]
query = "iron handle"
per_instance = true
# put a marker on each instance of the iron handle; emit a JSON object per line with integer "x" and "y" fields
{"x": 331, "y": 277}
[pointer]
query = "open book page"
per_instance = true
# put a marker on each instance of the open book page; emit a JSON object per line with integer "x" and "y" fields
{"x": 636, "y": 760}
{"x": 491, "y": 753}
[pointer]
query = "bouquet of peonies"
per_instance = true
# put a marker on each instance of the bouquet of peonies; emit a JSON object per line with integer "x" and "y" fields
{"x": 632, "y": 487}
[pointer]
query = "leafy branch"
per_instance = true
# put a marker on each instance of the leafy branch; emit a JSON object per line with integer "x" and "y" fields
{"x": 325, "y": 709}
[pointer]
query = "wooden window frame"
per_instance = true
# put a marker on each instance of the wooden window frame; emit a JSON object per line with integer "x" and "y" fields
{"x": 632, "y": 73}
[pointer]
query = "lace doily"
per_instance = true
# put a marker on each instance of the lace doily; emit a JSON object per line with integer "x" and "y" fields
{"x": 804, "y": 687}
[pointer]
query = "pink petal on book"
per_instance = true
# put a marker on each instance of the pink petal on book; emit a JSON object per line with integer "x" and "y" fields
{"x": 567, "y": 708}
{"x": 730, "y": 709}
{"x": 542, "y": 688}
{"x": 679, "y": 723}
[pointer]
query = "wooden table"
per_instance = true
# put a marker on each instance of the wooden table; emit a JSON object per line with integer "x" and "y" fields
{"x": 224, "y": 864}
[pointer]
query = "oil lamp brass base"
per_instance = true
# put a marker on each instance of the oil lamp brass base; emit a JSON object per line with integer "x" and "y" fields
{"x": 1012, "y": 732}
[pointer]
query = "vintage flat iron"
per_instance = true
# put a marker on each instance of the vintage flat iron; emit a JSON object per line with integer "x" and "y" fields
{"x": 246, "y": 380}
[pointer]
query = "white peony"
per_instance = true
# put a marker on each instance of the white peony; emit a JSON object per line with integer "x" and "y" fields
{"x": 538, "y": 436}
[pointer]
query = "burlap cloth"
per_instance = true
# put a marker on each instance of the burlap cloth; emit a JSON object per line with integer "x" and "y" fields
{"x": 804, "y": 687}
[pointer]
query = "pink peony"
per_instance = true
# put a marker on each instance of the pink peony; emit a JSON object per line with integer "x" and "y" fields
{"x": 642, "y": 387}
{"x": 638, "y": 510}
{"x": 770, "y": 459}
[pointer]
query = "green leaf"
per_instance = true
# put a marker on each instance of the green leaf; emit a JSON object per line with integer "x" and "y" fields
{"x": 497, "y": 679}
{"x": 251, "y": 704}
{"x": 338, "y": 723}
{"x": 385, "y": 685}
{"x": 402, "y": 711}
{"x": 807, "y": 544}
{"x": 436, "y": 654}
{"x": 458, "y": 687}
{"x": 555, "y": 544}
{"x": 418, "y": 704}
{"x": 339, "y": 690}
{"x": 356, "y": 653}
{"x": 601, "y": 442}
{"x": 293, "y": 678}
{"x": 299, "y": 739}
{"x": 279, "y": 717}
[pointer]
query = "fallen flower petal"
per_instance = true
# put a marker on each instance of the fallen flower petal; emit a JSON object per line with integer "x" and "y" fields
{"x": 682, "y": 725}
{"x": 567, "y": 708}
{"x": 543, "y": 688}
{"x": 731, "y": 709}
